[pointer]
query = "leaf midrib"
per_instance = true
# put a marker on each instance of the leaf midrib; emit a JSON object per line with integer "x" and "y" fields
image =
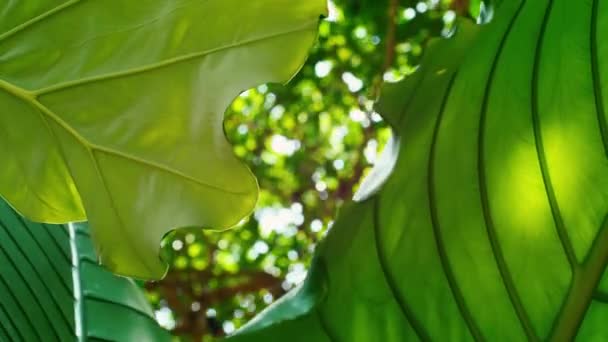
{"x": 497, "y": 252}
{"x": 389, "y": 277}
{"x": 31, "y": 97}
{"x": 587, "y": 275}
{"x": 436, "y": 226}
{"x": 79, "y": 311}
{"x": 45, "y": 114}
{"x": 32, "y": 100}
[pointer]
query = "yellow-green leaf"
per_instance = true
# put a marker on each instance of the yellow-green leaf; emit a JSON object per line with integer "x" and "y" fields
{"x": 115, "y": 108}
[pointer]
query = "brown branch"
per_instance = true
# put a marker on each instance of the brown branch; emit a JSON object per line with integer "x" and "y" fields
{"x": 390, "y": 35}
{"x": 187, "y": 277}
{"x": 461, "y": 7}
{"x": 179, "y": 283}
{"x": 257, "y": 281}
{"x": 390, "y": 42}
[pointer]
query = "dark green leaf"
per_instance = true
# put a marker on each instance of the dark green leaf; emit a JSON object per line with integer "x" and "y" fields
{"x": 493, "y": 225}
{"x": 51, "y": 288}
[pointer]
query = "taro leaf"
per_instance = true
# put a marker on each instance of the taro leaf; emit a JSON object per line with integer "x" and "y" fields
{"x": 52, "y": 289}
{"x": 493, "y": 224}
{"x": 115, "y": 108}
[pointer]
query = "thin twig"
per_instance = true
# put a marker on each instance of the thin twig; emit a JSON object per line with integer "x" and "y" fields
{"x": 390, "y": 35}
{"x": 390, "y": 42}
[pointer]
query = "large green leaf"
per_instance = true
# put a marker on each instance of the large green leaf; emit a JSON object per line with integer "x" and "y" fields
{"x": 52, "y": 289}
{"x": 115, "y": 108}
{"x": 493, "y": 224}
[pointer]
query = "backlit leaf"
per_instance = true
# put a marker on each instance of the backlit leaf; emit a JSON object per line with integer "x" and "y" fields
{"x": 115, "y": 109}
{"x": 493, "y": 224}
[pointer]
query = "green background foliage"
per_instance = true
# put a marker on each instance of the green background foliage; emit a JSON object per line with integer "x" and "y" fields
{"x": 308, "y": 143}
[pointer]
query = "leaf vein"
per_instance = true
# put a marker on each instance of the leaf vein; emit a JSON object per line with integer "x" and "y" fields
{"x": 34, "y": 295}
{"x": 38, "y": 18}
{"x": 46, "y": 112}
{"x": 431, "y": 187}
{"x": 595, "y": 74}
{"x": 137, "y": 311}
{"x": 311, "y": 25}
{"x": 27, "y": 257}
{"x": 162, "y": 167}
{"x": 584, "y": 285}
{"x": 19, "y": 306}
{"x": 540, "y": 149}
{"x": 483, "y": 190}
{"x": 44, "y": 251}
{"x": 129, "y": 238}
{"x": 399, "y": 298}
{"x": 11, "y": 322}
{"x": 324, "y": 326}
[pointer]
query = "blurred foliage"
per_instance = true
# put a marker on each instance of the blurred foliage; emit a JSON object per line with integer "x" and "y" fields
{"x": 308, "y": 143}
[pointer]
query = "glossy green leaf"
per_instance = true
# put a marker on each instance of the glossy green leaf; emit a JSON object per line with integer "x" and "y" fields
{"x": 52, "y": 289}
{"x": 115, "y": 108}
{"x": 493, "y": 224}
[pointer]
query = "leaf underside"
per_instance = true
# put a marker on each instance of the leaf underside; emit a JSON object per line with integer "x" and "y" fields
{"x": 493, "y": 224}
{"x": 115, "y": 109}
{"x": 47, "y": 271}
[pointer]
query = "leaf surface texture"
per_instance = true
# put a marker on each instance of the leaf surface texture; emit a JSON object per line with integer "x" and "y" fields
{"x": 493, "y": 224}
{"x": 52, "y": 288}
{"x": 115, "y": 109}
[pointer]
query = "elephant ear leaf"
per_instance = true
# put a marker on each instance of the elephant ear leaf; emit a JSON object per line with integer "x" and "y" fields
{"x": 115, "y": 108}
{"x": 493, "y": 224}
